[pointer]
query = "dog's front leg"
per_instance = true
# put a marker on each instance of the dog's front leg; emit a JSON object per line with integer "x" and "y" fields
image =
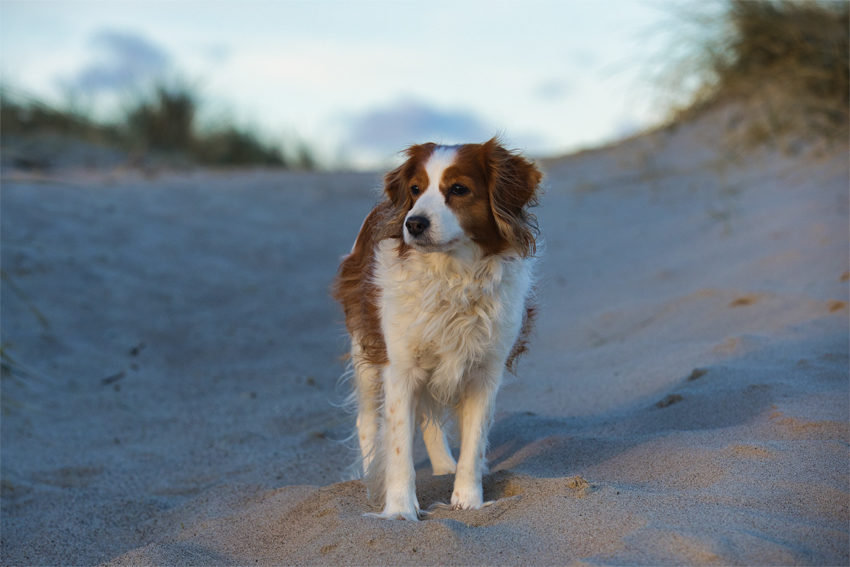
{"x": 400, "y": 421}
{"x": 476, "y": 415}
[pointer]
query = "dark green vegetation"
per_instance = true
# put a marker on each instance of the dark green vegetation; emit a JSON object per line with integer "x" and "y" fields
{"x": 784, "y": 64}
{"x": 163, "y": 124}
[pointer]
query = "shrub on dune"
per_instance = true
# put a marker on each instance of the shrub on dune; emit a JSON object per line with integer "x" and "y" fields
{"x": 784, "y": 64}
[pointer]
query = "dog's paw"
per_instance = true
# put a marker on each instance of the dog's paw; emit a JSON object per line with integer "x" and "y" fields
{"x": 468, "y": 498}
{"x": 399, "y": 507}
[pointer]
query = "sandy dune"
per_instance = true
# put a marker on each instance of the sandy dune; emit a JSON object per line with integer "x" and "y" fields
{"x": 685, "y": 401}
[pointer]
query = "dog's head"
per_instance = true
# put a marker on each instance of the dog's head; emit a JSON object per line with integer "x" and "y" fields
{"x": 443, "y": 196}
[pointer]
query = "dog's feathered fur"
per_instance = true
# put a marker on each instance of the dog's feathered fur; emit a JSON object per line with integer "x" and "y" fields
{"x": 437, "y": 295}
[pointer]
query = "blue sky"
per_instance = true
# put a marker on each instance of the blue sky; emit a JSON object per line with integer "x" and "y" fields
{"x": 357, "y": 80}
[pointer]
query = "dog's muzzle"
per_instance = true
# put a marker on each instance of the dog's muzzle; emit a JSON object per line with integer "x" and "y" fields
{"x": 417, "y": 225}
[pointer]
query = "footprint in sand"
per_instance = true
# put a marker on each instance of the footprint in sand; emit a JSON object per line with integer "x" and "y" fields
{"x": 748, "y": 299}
{"x": 697, "y": 374}
{"x": 669, "y": 401}
{"x": 835, "y": 306}
{"x": 799, "y": 428}
{"x": 579, "y": 487}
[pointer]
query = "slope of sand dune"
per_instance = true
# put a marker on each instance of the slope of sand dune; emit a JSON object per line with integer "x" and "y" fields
{"x": 173, "y": 398}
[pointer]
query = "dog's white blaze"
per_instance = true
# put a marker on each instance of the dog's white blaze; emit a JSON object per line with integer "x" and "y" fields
{"x": 431, "y": 204}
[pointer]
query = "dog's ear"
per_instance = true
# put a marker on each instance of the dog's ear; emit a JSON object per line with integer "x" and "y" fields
{"x": 394, "y": 187}
{"x": 514, "y": 184}
{"x": 399, "y": 199}
{"x": 398, "y": 202}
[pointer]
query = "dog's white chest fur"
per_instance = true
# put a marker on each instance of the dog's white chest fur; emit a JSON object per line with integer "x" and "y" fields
{"x": 447, "y": 313}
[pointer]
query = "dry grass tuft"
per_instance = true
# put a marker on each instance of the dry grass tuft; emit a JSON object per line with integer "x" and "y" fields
{"x": 168, "y": 123}
{"x": 783, "y": 64}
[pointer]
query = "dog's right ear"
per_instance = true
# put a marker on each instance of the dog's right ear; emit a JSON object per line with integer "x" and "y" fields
{"x": 395, "y": 181}
{"x": 397, "y": 204}
{"x": 395, "y": 187}
{"x": 397, "y": 191}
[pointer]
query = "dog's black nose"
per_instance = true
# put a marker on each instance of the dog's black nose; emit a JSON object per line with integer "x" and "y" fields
{"x": 417, "y": 225}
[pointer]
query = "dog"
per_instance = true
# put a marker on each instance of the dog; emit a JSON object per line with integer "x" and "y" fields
{"x": 438, "y": 300}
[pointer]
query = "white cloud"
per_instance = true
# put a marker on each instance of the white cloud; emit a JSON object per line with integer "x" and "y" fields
{"x": 374, "y": 137}
{"x": 124, "y": 60}
{"x": 394, "y": 126}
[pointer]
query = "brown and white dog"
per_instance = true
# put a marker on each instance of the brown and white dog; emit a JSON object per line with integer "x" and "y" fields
{"x": 437, "y": 299}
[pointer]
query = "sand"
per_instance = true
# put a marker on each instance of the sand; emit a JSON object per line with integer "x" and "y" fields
{"x": 176, "y": 363}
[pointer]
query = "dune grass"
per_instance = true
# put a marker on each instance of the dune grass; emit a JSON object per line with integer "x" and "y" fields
{"x": 782, "y": 63}
{"x": 21, "y": 115}
{"x": 164, "y": 122}
{"x": 168, "y": 123}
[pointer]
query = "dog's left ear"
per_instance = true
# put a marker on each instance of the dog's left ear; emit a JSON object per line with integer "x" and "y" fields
{"x": 514, "y": 187}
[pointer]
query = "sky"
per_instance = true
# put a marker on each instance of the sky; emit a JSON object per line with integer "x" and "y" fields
{"x": 356, "y": 80}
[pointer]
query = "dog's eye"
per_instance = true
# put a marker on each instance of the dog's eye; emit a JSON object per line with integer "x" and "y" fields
{"x": 414, "y": 190}
{"x": 458, "y": 189}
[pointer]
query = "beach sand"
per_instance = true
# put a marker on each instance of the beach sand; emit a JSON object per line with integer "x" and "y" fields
{"x": 173, "y": 394}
